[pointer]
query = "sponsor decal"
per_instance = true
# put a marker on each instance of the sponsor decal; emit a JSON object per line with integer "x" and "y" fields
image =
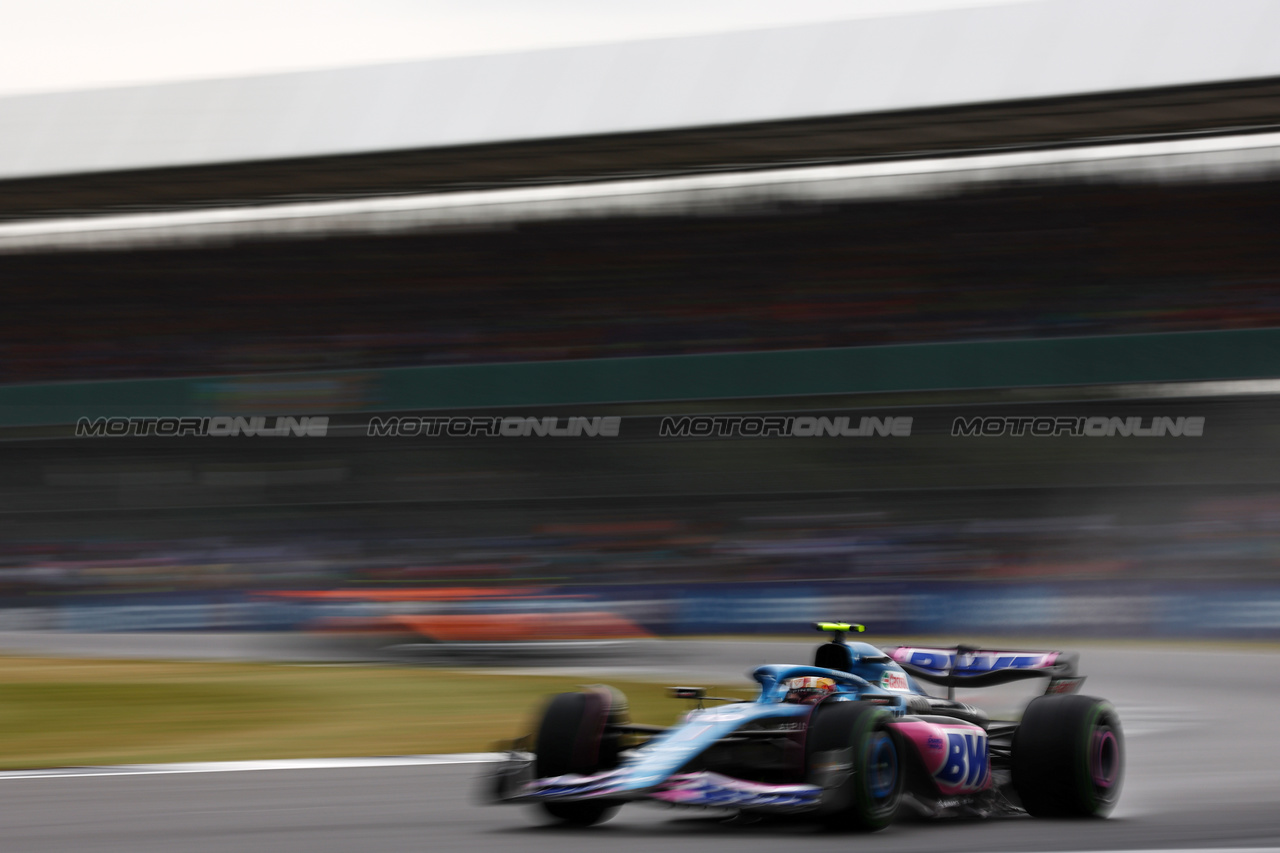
{"x": 1064, "y": 685}
{"x": 773, "y": 725}
{"x": 894, "y": 680}
{"x": 729, "y": 712}
{"x": 967, "y": 766}
{"x": 941, "y": 660}
{"x": 955, "y": 755}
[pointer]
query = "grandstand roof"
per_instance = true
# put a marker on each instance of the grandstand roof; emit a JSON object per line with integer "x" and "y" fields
{"x": 1048, "y": 49}
{"x": 1220, "y": 157}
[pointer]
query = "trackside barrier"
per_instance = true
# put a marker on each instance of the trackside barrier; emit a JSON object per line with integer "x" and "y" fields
{"x": 1101, "y": 610}
{"x": 1061, "y": 609}
{"x": 1097, "y": 360}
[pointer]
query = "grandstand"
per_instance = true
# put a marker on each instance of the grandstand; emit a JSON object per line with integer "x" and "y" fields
{"x": 808, "y": 187}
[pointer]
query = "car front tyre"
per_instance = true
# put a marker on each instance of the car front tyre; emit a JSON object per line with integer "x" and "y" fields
{"x": 853, "y": 754}
{"x": 571, "y": 739}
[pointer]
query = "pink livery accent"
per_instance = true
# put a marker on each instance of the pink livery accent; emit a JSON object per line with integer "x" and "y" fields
{"x": 954, "y": 754}
{"x": 713, "y": 789}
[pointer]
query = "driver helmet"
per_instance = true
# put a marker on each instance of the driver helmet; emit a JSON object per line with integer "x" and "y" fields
{"x": 808, "y": 689}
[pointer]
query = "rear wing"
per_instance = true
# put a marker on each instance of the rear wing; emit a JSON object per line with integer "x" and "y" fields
{"x": 972, "y": 666}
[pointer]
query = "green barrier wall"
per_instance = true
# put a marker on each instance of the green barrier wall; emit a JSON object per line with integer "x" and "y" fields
{"x": 1182, "y": 356}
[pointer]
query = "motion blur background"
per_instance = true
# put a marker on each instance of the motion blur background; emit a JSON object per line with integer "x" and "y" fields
{"x": 1065, "y": 208}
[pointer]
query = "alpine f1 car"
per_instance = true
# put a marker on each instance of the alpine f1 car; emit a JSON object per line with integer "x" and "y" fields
{"x": 851, "y": 740}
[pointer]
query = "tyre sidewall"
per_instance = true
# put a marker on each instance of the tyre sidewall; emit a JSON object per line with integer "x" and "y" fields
{"x": 1056, "y": 768}
{"x": 853, "y": 753}
{"x": 571, "y": 740}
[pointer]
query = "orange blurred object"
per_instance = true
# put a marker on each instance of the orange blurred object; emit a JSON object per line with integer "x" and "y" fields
{"x": 516, "y": 627}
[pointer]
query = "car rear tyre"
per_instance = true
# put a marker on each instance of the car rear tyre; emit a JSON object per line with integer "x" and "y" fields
{"x": 853, "y": 754}
{"x": 572, "y": 738}
{"x": 1068, "y": 757}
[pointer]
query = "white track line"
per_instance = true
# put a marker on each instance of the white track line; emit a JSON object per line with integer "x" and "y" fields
{"x": 242, "y": 766}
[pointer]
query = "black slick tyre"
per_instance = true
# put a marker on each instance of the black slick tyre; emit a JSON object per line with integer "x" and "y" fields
{"x": 572, "y": 739}
{"x": 858, "y": 760}
{"x": 1068, "y": 757}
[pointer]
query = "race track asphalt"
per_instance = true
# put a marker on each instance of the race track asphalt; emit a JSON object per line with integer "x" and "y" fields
{"x": 1203, "y": 772}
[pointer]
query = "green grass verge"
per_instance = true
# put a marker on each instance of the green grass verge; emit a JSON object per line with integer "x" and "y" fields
{"x": 70, "y": 713}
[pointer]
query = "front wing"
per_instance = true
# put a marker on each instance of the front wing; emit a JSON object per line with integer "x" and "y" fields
{"x": 514, "y": 783}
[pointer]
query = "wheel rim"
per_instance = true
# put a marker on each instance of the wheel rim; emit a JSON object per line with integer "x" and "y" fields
{"x": 1104, "y": 760}
{"x": 882, "y": 766}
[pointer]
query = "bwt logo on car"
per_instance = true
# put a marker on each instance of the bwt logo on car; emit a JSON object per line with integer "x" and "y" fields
{"x": 507, "y": 427}
{"x": 217, "y": 427}
{"x": 781, "y": 426}
{"x": 942, "y": 661}
{"x": 967, "y": 763}
{"x": 1095, "y": 427}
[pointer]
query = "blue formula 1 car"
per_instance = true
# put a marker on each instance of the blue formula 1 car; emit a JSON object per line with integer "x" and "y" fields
{"x": 850, "y": 740}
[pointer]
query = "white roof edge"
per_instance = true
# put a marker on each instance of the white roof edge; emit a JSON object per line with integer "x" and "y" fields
{"x": 961, "y": 56}
{"x": 1205, "y": 158}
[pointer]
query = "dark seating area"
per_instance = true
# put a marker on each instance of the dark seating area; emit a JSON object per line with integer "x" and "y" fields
{"x": 1015, "y": 262}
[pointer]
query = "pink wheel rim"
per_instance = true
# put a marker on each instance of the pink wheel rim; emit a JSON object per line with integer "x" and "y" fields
{"x": 1105, "y": 759}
